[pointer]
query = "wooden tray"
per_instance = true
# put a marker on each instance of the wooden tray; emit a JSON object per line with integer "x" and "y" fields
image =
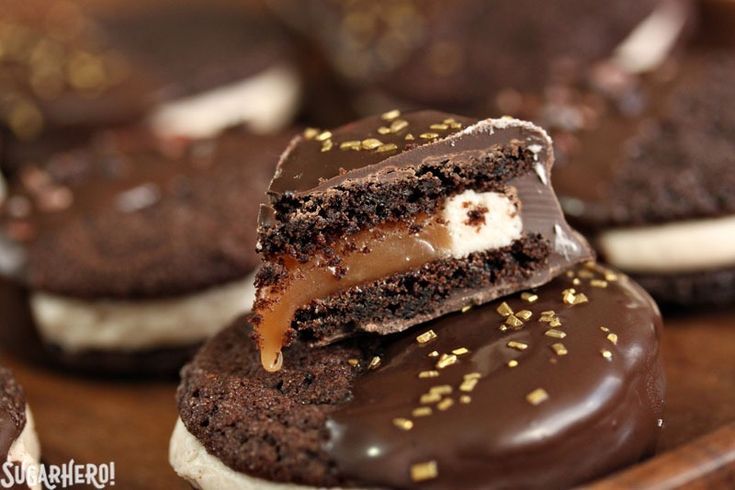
{"x": 95, "y": 421}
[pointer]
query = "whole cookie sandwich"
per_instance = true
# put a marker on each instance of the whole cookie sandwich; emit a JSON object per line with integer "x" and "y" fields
{"x": 396, "y": 219}
{"x": 657, "y": 198}
{"x": 216, "y": 64}
{"x": 548, "y": 388}
{"x": 135, "y": 249}
{"x": 18, "y": 440}
{"x": 471, "y": 57}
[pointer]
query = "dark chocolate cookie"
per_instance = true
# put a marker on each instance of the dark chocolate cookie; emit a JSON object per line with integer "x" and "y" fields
{"x": 508, "y": 394}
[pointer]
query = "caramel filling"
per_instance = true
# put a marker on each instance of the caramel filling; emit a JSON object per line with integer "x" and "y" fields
{"x": 372, "y": 254}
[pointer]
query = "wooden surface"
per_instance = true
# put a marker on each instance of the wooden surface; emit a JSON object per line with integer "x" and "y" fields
{"x": 96, "y": 421}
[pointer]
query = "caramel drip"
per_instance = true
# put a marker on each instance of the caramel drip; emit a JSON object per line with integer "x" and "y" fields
{"x": 377, "y": 253}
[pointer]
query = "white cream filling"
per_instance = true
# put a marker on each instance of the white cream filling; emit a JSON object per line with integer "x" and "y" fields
{"x": 77, "y": 325}
{"x": 499, "y": 226}
{"x": 265, "y": 102}
{"x": 26, "y": 450}
{"x": 648, "y": 45}
{"x": 191, "y": 461}
{"x": 674, "y": 247}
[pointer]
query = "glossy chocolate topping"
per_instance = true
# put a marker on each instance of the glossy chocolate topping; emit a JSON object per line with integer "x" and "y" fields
{"x": 131, "y": 215}
{"x": 585, "y": 396}
{"x": 12, "y": 412}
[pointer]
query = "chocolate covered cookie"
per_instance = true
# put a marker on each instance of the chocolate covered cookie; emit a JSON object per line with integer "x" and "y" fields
{"x": 547, "y": 388}
{"x": 397, "y": 219}
{"x": 18, "y": 440}
{"x": 470, "y": 56}
{"x": 657, "y": 198}
{"x": 134, "y": 249}
{"x": 215, "y": 64}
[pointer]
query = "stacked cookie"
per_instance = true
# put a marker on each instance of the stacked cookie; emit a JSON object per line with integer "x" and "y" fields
{"x": 425, "y": 318}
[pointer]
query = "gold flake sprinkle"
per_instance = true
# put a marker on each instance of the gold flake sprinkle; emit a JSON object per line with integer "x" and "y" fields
{"x": 402, "y": 423}
{"x": 555, "y": 322}
{"x": 409, "y": 137}
{"x": 429, "y": 398}
{"x": 446, "y": 360}
{"x": 537, "y": 396}
{"x": 371, "y": 143}
{"x": 468, "y": 385}
{"x": 598, "y": 283}
{"x": 387, "y": 147}
{"x": 604, "y": 329}
{"x": 439, "y": 127}
{"x": 350, "y": 145}
{"x": 474, "y": 375}
{"x": 452, "y": 123}
{"x": 465, "y": 399}
{"x": 426, "y": 336}
{"x": 324, "y": 136}
{"x": 568, "y": 296}
{"x": 445, "y": 404}
{"x": 554, "y": 333}
{"x": 327, "y": 146}
{"x": 611, "y": 276}
{"x": 353, "y": 362}
{"x": 383, "y": 130}
{"x": 606, "y": 354}
{"x": 503, "y": 328}
{"x": 466, "y": 308}
{"x": 398, "y": 125}
{"x": 429, "y": 374}
{"x": 580, "y": 298}
{"x": 433, "y": 354}
{"x": 612, "y": 337}
{"x": 421, "y": 412}
{"x": 513, "y": 344}
{"x": 424, "y": 471}
{"x": 512, "y": 363}
{"x": 461, "y": 351}
{"x": 310, "y": 133}
{"x": 560, "y": 349}
{"x": 576, "y": 281}
{"x": 524, "y": 315}
{"x": 390, "y": 115}
{"x": 585, "y": 274}
{"x": 441, "y": 389}
{"x": 548, "y": 313}
{"x": 374, "y": 362}
{"x": 529, "y": 297}
{"x": 513, "y": 321}
{"x": 428, "y": 136}
{"x": 504, "y": 309}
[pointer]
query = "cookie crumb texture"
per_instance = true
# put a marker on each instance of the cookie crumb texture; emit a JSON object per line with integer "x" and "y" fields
{"x": 12, "y": 411}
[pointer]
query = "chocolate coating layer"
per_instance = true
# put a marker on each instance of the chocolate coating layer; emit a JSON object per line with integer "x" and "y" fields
{"x": 133, "y": 216}
{"x": 320, "y": 421}
{"x": 12, "y": 412}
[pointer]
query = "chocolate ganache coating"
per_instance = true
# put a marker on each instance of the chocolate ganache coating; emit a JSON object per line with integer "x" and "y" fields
{"x": 12, "y": 412}
{"x": 567, "y": 387}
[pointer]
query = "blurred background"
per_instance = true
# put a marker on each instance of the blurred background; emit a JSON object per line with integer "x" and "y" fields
{"x": 137, "y": 138}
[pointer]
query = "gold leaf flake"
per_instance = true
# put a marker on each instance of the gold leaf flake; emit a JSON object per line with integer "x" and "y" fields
{"x": 424, "y": 471}
{"x": 504, "y": 309}
{"x": 537, "y": 396}
{"x": 446, "y": 360}
{"x": 554, "y": 333}
{"x": 529, "y": 297}
{"x": 421, "y": 412}
{"x": 513, "y": 344}
{"x": 429, "y": 374}
{"x": 371, "y": 143}
{"x": 606, "y": 354}
{"x": 390, "y": 115}
{"x": 324, "y": 136}
{"x": 613, "y": 338}
{"x": 512, "y": 363}
{"x": 445, "y": 404}
{"x": 387, "y": 147}
{"x": 560, "y": 349}
{"x": 426, "y": 337}
{"x": 402, "y": 423}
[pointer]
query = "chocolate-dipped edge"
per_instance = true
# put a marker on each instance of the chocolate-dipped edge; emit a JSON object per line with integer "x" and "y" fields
{"x": 12, "y": 412}
{"x": 314, "y": 421}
